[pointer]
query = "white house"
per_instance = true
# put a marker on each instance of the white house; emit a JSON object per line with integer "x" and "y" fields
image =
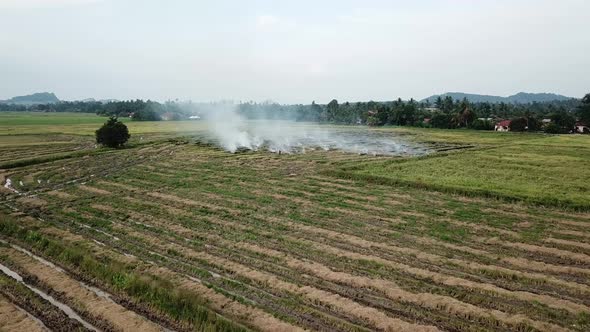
{"x": 582, "y": 128}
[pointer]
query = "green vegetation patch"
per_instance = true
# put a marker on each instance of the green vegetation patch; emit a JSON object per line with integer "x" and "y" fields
{"x": 37, "y": 123}
{"x": 550, "y": 174}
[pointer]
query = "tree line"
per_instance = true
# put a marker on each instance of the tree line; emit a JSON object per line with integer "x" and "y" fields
{"x": 445, "y": 113}
{"x": 440, "y": 113}
{"x": 136, "y": 109}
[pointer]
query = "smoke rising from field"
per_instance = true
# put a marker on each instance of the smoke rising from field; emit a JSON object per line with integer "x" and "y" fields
{"x": 233, "y": 132}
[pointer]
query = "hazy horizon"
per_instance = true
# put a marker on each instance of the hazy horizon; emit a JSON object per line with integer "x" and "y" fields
{"x": 292, "y": 52}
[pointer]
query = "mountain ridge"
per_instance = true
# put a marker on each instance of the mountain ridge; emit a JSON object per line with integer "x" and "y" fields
{"x": 34, "y": 98}
{"x": 519, "y": 98}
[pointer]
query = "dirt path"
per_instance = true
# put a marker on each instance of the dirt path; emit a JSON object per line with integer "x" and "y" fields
{"x": 253, "y": 316}
{"x": 99, "y": 306}
{"x": 392, "y": 291}
{"x": 13, "y": 318}
{"x": 343, "y": 305}
{"x": 559, "y": 253}
{"x": 455, "y": 281}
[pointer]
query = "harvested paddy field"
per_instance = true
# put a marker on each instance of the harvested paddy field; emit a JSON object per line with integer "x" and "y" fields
{"x": 186, "y": 236}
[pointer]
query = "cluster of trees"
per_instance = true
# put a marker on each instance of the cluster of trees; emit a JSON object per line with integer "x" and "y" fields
{"x": 440, "y": 113}
{"x": 136, "y": 109}
{"x": 583, "y": 110}
{"x": 563, "y": 121}
{"x": 140, "y": 110}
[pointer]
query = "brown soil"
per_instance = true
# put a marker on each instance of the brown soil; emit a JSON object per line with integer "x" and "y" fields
{"x": 540, "y": 249}
{"x": 355, "y": 281}
{"x": 98, "y": 306}
{"x": 543, "y": 267}
{"x": 427, "y": 259}
{"x": 373, "y": 316}
{"x": 524, "y": 224}
{"x": 119, "y": 185}
{"x": 32, "y": 201}
{"x": 218, "y": 302}
{"x": 569, "y": 243}
{"x": 102, "y": 207}
{"x": 94, "y": 190}
{"x": 430, "y": 241}
{"x": 506, "y": 211}
{"x": 479, "y": 227}
{"x": 421, "y": 255}
{"x": 583, "y": 215}
{"x": 190, "y": 202}
{"x": 392, "y": 291}
{"x": 455, "y": 281}
{"x": 413, "y": 214}
{"x": 13, "y": 318}
{"x": 579, "y": 224}
{"x": 573, "y": 233}
{"x": 176, "y": 228}
{"x": 60, "y": 194}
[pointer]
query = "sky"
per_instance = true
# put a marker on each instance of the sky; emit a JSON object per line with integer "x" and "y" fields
{"x": 292, "y": 51}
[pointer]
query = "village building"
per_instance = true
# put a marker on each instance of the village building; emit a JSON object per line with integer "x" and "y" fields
{"x": 582, "y": 128}
{"x": 503, "y": 125}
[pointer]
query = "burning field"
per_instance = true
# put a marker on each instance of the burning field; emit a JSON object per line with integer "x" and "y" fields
{"x": 286, "y": 137}
{"x": 188, "y": 236}
{"x": 225, "y": 128}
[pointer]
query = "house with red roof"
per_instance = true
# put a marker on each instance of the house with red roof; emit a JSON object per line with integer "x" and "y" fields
{"x": 503, "y": 125}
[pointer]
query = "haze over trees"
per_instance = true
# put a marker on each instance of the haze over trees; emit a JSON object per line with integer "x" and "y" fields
{"x": 440, "y": 112}
{"x": 519, "y": 98}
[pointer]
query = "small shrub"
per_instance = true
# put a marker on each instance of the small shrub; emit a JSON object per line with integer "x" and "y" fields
{"x": 482, "y": 125}
{"x": 372, "y": 121}
{"x": 441, "y": 120}
{"x": 518, "y": 124}
{"x": 553, "y": 128}
{"x": 112, "y": 134}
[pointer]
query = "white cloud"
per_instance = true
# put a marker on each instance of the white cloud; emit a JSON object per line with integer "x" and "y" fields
{"x": 376, "y": 50}
{"x": 266, "y": 21}
{"x": 317, "y": 69}
{"x": 27, "y": 4}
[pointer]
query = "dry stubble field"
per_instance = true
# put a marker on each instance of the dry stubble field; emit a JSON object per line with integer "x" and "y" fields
{"x": 177, "y": 235}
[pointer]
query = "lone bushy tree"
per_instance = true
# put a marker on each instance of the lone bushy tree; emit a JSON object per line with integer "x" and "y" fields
{"x": 584, "y": 110}
{"x": 518, "y": 124}
{"x": 552, "y": 128}
{"x": 113, "y": 133}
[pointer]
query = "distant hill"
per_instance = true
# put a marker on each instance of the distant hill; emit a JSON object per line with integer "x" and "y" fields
{"x": 519, "y": 98}
{"x": 35, "y": 98}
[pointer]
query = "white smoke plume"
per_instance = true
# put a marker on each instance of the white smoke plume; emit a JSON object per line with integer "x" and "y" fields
{"x": 233, "y": 132}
